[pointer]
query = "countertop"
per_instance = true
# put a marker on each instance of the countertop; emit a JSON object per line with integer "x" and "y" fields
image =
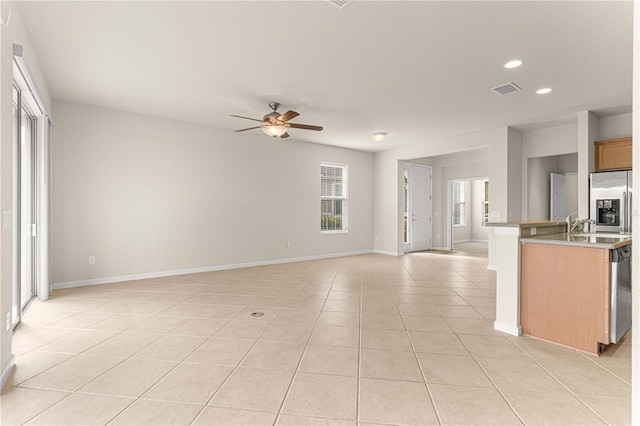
{"x": 606, "y": 241}
{"x": 516, "y": 224}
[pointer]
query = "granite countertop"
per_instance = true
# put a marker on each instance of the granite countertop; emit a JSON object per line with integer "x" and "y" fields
{"x": 604, "y": 240}
{"x": 519, "y": 224}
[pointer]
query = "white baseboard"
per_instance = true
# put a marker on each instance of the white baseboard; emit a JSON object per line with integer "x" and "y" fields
{"x": 389, "y": 253}
{"x": 7, "y": 370}
{"x": 107, "y": 280}
{"x": 507, "y": 328}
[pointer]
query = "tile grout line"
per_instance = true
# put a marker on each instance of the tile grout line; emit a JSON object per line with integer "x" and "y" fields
{"x": 415, "y": 354}
{"x": 558, "y": 381}
{"x": 237, "y": 366}
{"x": 304, "y": 352}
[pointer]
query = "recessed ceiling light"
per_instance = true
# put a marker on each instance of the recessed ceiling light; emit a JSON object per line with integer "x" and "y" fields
{"x": 513, "y": 64}
{"x": 544, "y": 91}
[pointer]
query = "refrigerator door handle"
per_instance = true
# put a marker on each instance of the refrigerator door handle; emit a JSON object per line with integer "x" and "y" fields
{"x": 629, "y": 213}
{"x": 625, "y": 212}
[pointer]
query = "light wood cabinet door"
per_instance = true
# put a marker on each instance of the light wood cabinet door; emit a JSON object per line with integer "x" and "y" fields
{"x": 564, "y": 295}
{"x": 614, "y": 154}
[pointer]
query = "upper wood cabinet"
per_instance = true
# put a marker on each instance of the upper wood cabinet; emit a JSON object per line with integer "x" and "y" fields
{"x": 613, "y": 154}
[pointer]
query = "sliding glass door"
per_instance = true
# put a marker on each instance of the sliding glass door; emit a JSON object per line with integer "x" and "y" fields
{"x": 24, "y": 134}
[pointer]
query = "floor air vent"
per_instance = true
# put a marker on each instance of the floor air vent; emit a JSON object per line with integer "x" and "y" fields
{"x": 503, "y": 89}
{"x": 340, "y": 4}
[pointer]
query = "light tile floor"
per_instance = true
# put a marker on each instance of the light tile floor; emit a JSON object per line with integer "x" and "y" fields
{"x": 358, "y": 340}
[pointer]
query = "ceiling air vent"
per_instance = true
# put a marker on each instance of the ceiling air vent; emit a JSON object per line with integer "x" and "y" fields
{"x": 503, "y": 89}
{"x": 340, "y": 4}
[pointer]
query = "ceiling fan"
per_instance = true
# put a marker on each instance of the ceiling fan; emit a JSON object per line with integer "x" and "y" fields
{"x": 276, "y": 124}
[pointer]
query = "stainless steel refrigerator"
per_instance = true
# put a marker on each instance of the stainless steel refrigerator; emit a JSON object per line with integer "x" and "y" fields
{"x": 611, "y": 199}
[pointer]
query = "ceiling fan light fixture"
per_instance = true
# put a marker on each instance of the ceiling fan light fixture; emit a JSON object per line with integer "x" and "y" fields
{"x": 274, "y": 131}
{"x": 379, "y": 136}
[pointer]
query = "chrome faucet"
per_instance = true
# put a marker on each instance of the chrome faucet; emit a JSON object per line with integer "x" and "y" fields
{"x": 568, "y": 220}
{"x": 577, "y": 225}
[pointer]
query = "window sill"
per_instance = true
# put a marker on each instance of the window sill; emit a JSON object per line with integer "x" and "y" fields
{"x": 343, "y": 231}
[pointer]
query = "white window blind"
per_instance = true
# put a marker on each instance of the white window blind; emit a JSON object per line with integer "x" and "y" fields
{"x": 459, "y": 203}
{"x": 333, "y": 197}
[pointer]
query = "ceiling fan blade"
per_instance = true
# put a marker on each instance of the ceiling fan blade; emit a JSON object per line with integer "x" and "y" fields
{"x": 288, "y": 116}
{"x": 246, "y": 118}
{"x": 250, "y": 128}
{"x": 304, "y": 126}
{"x": 284, "y": 135}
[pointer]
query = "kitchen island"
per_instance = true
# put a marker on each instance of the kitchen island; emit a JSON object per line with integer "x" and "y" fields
{"x": 504, "y": 257}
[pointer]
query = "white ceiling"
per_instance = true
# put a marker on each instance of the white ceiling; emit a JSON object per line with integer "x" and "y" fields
{"x": 419, "y": 70}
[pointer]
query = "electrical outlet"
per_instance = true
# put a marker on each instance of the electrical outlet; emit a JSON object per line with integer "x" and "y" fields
{"x": 92, "y": 260}
{"x": 7, "y": 321}
{"x": 534, "y": 230}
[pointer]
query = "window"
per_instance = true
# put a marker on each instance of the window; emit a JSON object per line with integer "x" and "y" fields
{"x": 459, "y": 203}
{"x": 333, "y": 197}
{"x": 485, "y": 201}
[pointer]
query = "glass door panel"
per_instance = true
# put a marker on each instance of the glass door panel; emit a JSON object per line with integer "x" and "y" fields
{"x": 24, "y": 135}
{"x": 27, "y": 204}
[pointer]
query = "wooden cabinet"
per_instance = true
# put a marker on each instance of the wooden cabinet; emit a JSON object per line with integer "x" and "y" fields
{"x": 614, "y": 154}
{"x": 565, "y": 295}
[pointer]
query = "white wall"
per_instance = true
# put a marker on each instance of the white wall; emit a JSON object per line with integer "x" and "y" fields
{"x": 615, "y": 126}
{"x": 10, "y": 34}
{"x": 538, "y": 186}
{"x": 547, "y": 142}
{"x": 148, "y": 195}
{"x": 460, "y": 165}
{"x": 388, "y": 189}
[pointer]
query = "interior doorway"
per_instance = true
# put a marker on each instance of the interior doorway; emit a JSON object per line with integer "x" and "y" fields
{"x": 467, "y": 214}
{"x": 417, "y": 215}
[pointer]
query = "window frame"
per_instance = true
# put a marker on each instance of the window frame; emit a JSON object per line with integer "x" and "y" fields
{"x": 344, "y": 198}
{"x": 460, "y": 188}
{"x": 485, "y": 201}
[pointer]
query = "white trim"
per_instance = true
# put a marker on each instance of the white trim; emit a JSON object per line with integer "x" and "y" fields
{"x": 492, "y": 267}
{"x": 24, "y": 71}
{"x": 510, "y": 231}
{"x": 7, "y": 370}
{"x": 507, "y": 328}
{"x": 97, "y": 281}
{"x": 388, "y": 252}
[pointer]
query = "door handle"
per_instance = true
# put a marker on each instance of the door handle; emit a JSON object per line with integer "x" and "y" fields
{"x": 625, "y": 212}
{"x": 629, "y": 212}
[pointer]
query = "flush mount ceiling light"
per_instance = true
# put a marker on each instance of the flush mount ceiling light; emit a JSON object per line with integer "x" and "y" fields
{"x": 544, "y": 91}
{"x": 274, "y": 130}
{"x": 379, "y": 136}
{"x": 513, "y": 64}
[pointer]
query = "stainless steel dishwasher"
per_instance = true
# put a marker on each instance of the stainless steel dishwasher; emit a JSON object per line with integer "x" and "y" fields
{"x": 620, "y": 292}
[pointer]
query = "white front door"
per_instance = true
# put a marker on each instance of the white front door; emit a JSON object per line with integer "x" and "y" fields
{"x": 420, "y": 208}
{"x": 556, "y": 202}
